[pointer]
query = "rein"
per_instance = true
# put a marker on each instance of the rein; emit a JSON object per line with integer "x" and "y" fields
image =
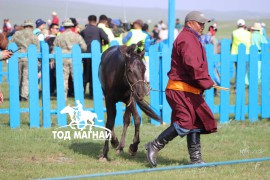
{"x": 131, "y": 86}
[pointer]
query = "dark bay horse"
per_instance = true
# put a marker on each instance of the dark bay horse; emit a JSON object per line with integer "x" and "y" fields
{"x": 121, "y": 73}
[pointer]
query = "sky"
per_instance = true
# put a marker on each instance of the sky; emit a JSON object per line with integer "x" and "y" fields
{"x": 218, "y": 5}
{"x": 248, "y": 9}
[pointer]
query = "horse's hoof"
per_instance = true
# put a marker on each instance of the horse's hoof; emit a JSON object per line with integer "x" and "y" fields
{"x": 102, "y": 159}
{"x": 119, "y": 151}
{"x": 133, "y": 149}
{"x": 115, "y": 143}
{"x": 132, "y": 153}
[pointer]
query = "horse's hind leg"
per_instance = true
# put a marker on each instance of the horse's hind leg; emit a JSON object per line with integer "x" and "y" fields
{"x": 126, "y": 124}
{"x": 137, "y": 122}
{"x": 111, "y": 113}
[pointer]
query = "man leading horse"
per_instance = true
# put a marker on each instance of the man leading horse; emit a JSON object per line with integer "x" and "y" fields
{"x": 188, "y": 78}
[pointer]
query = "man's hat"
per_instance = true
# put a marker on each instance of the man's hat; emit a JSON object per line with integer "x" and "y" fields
{"x": 39, "y": 22}
{"x": 67, "y": 23}
{"x": 28, "y": 23}
{"x": 257, "y": 26}
{"x": 196, "y": 16}
{"x": 241, "y": 22}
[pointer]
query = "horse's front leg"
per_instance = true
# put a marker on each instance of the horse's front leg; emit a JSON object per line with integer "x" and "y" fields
{"x": 127, "y": 115}
{"x": 111, "y": 113}
{"x": 137, "y": 122}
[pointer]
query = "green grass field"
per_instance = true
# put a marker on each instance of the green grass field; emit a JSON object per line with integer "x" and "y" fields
{"x": 34, "y": 153}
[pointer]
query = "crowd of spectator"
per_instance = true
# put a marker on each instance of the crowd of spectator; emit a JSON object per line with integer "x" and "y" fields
{"x": 105, "y": 30}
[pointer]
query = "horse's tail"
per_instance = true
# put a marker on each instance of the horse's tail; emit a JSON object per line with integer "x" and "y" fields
{"x": 148, "y": 111}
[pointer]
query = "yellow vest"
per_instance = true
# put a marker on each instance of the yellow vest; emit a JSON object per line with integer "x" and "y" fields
{"x": 240, "y": 35}
{"x": 137, "y": 35}
{"x": 108, "y": 31}
{"x": 119, "y": 39}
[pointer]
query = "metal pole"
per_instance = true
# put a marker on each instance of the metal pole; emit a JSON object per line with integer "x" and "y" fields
{"x": 167, "y": 168}
{"x": 171, "y": 23}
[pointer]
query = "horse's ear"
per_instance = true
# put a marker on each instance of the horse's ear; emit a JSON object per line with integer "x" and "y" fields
{"x": 130, "y": 50}
{"x": 140, "y": 49}
{"x": 123, "y": 49}
{"x": 140, "y": 44}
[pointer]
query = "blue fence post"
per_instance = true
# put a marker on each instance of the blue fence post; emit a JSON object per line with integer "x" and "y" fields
{"x": 225, "y": 59}
{"x": 97, "y": 91}
{"x": 45, "y": 79}
{"x": 253, "y": 108}
{"x": 265, "y": 97}
{"x": 61, "y": 101}
{"x": 209, "y": 98}
{"x": 77, "y": 74}
{"x": 171, "y": 23}
{"x": 240, "y": 83}
{"x": 33, "y": 86}
{"x": 154, "y": 79}
{"x": 166, "y": 64}
{"x": 13, "y": 73}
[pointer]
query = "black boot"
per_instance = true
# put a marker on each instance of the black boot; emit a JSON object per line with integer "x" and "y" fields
{"x": 159, "y": 143}
{"x": 194, "y": 148}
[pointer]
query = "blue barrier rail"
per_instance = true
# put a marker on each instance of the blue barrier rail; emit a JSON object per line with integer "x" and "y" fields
{"x": 249, "y": 101}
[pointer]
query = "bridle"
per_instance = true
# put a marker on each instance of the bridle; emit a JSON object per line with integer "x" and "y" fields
{"x": 131, "y": 85}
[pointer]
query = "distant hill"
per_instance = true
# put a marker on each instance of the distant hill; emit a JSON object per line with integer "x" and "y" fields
{"x": 18, "y": 11}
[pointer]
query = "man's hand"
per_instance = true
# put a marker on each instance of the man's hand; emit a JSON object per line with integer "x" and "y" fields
{"x": 6, "y": 54}
{"x": 1, "y": 97}
{"x": 52, "y": 64}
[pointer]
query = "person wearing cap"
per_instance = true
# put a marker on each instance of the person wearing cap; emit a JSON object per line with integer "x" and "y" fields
{"x": 240, "y": 36}
{"x": 188, "y": 78}
{"x": 104, "y": 25}
{"x": 258, "y": 40}
{"x": 136, "y": 34}
{"x": 40, "y": 26}
{"x": 66, "y": 40}
{"x": 23, "y": 39}
{"x": 55, "y": 19}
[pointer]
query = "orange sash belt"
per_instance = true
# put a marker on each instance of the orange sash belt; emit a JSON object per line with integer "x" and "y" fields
{"x": 182, "y": 86}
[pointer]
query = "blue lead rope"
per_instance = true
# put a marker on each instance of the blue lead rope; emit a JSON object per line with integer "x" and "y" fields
{"x": 167, "y": 168}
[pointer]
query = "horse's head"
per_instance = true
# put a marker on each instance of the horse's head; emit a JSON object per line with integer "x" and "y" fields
{"x": 135, "y": 70}
{"x": 66, "y": 110}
